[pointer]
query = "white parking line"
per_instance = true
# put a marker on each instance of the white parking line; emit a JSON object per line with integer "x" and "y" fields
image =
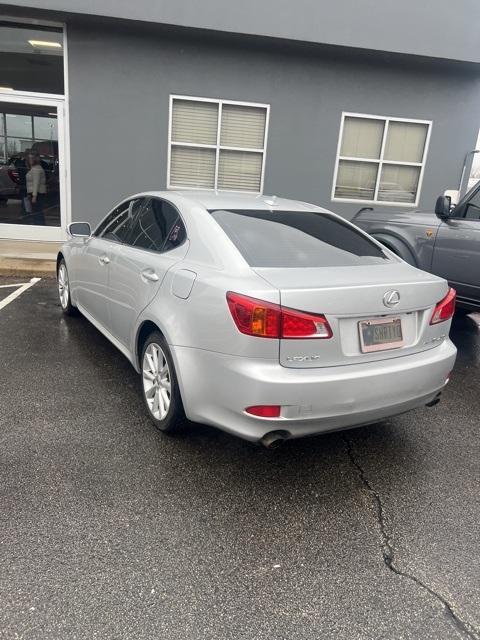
{"x": 9, "y": 286}
{"x": 18, "y": 292}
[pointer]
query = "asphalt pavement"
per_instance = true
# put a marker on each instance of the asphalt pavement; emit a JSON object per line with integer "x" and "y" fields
{"x": 111, "y": 530}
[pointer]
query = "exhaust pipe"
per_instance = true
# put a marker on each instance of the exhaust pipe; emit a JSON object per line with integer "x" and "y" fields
{"x": 435, "y": 401}
{"x": 273, "y": 439}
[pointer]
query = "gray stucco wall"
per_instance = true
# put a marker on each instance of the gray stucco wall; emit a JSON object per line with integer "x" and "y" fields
{"x": 120, "y": 82}
{"x": 438, "y": 28}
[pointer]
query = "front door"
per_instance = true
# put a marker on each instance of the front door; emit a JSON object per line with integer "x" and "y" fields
{"x": 92, "y": 264}
{"x": 457, "y": 248}
{"x": 90, "y": 273}
{"x": 156, "y": 242}
{"x": 32, "y": 180}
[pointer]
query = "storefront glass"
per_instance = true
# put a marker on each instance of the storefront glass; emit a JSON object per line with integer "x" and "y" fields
{"x": 31, "y": 133}
{"x": 29, "y": 173}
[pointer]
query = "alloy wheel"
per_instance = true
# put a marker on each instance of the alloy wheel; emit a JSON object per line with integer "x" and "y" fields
{"x": 63, "y": 289}
{"x": 156, "y": 381}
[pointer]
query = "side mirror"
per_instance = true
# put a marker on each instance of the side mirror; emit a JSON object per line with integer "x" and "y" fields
{"x": 80, "y": 230}
{"x": 443, "y": 206}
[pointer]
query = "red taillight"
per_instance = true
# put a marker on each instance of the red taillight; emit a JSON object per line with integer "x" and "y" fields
{"x": 254, "y": 317}
{"x": 267, "y": 320}
{"x": 265, "y": 410}
{"x": 13, "y": 175}
{"x": 445, "y": 308}
{"x": 296, "y": 324}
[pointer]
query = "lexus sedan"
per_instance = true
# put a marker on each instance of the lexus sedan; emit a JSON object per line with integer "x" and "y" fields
{"x": 265, "y": 317}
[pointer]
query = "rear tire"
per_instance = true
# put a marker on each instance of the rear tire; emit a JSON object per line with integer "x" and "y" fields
{"x": 63, "y": 283}
{"x": 160, "y": 388}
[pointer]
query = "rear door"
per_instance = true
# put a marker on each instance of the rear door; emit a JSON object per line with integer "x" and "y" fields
{"x": 376, "y": 305}
{"x": 456, "y": 254}
{"x": 157, "y": 240}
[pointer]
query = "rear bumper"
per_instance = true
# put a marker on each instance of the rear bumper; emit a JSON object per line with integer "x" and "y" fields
{"x": 216, "y": 388}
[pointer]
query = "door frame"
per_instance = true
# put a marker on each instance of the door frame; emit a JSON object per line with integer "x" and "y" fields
{"x": 38, "y": 232}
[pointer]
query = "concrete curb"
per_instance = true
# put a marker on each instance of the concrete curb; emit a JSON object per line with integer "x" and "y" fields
{"x": 28, "y": 257}
{"x": 26, "y": 266}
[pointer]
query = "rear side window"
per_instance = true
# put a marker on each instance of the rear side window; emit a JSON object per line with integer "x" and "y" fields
{"x": 158, "y": 227}
{"x": 296, "y": 239}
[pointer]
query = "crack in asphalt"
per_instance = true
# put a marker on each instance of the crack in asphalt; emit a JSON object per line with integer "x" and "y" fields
{"x": 388, "y": 551}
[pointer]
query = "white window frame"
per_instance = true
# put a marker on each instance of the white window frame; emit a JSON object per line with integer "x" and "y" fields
{"x": 380, "y": 161}
{"x": 217, "y": 147}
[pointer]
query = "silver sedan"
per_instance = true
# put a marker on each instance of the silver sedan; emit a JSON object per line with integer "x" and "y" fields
{"x": 265, "y": 317}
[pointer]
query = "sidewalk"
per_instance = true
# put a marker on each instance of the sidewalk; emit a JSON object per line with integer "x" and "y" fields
{"x": 29, "y": 257}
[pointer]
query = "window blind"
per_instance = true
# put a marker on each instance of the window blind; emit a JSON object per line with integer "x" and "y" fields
{"x": 398, "y": 183}
{"x": 192, "y": 167}
{"x": 200, "y": 150}
{"x": 356, "y": 180}
{"x": 242, "y": 126}
{"x": 194, "y": 122}
{"x": 380, "y": 159}
{"x": 362, "y": 138}
{"x": 405, "y": 141}
{"x": 239, "y": 170}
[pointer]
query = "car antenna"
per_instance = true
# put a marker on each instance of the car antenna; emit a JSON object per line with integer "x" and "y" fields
{"x": 272, "y": 202}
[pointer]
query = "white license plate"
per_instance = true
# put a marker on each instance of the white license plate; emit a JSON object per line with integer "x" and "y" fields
{"x": 380, "y": 334}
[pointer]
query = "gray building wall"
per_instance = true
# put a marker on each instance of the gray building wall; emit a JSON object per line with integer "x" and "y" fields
{"x": 120, "y": 80}
{"x": 437, "y": 28}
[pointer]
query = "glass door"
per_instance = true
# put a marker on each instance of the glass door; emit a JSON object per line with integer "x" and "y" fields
{"x": 32, "y": 170}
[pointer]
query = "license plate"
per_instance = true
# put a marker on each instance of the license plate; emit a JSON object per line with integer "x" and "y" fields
{"x": 380, "y": 334}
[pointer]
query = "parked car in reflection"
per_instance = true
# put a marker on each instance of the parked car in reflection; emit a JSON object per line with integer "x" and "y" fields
{"x": 268, "y": 318}
{"x": 445, "y": 242}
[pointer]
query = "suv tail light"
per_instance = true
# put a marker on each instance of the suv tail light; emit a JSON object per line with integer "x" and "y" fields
{"x": 445, "y": 308}
{"x": 13, "y": 175}
{"x": 267, "y": 320}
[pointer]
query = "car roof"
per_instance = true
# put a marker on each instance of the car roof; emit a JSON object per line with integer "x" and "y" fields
{"x": 236, "y": 200}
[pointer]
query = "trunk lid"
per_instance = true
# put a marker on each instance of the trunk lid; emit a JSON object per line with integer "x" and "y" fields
{"x": 352, "y": 294}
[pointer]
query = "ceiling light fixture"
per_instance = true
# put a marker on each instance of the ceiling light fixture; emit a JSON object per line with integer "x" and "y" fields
{"x": 45, "y": 44}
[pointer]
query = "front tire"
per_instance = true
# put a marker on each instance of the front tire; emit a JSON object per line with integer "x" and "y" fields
{"x": 63, "y": 284}
{"x": 160, "y": 388}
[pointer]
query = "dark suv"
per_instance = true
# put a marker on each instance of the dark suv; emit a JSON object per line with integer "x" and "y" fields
{"x": 445, "y": 242}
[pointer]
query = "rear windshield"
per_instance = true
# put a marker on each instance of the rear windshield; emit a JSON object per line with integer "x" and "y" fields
{"x": 296, "y": 239}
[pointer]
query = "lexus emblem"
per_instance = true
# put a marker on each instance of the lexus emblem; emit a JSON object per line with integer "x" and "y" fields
{"x": 391, "y": 298}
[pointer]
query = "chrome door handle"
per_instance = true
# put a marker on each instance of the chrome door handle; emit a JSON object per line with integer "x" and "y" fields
{"x": 104, "y": 260}
{"x": 148, "y": 274}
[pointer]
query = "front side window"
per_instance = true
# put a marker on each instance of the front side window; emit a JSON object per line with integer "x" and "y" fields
{"x": 217, "y": 144}
{"x": 380, "y": 160}
{"x": 472, "y": 207}
{"x": 117, "y": 224}
{"x": 296, "y": 239}
{"x": 158, "y": 227}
